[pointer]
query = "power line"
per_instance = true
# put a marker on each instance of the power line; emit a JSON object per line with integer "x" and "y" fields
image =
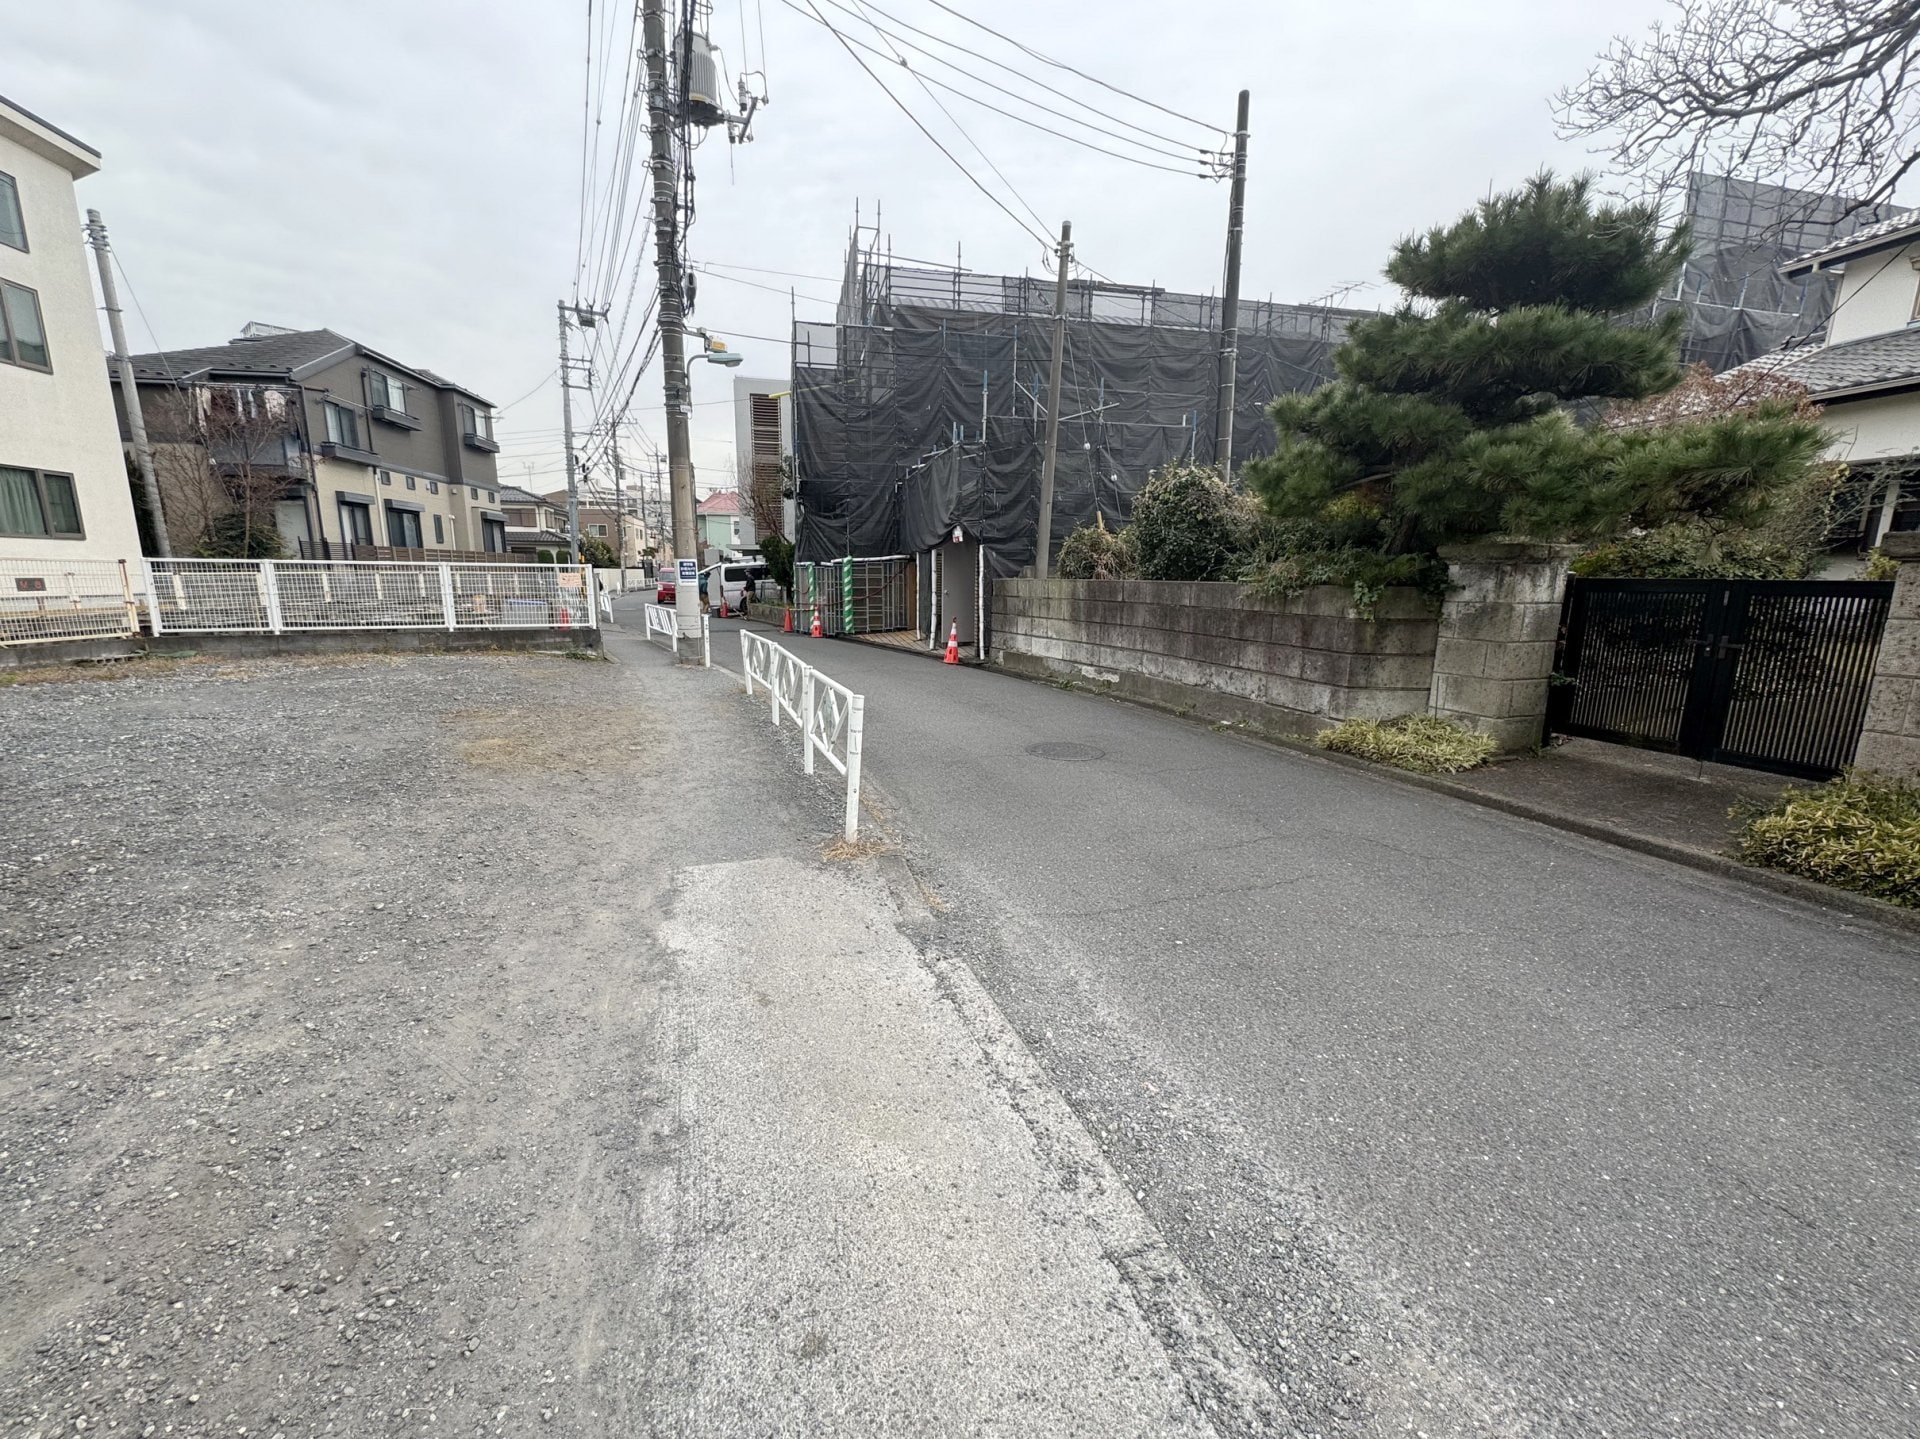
{"x": 972, "y": 179}
{"x": 1181, "y": 153}
{"x": 1062, "y": 65}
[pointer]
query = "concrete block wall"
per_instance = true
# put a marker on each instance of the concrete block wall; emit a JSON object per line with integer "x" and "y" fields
{"x": 1890, "y": 739}
{"x": 1498, "y": 630}
{"x": 1289, "y": 666}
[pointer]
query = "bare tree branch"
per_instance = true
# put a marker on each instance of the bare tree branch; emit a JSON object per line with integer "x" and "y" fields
{"x": 1812, "y": 94}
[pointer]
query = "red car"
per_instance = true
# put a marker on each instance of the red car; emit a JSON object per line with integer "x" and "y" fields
{"x": 665, "y": 591}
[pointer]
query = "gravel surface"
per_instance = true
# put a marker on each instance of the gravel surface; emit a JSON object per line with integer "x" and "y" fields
{"x": 293, "y": 1129}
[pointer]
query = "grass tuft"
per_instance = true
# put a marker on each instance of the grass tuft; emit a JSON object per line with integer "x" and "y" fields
{"x": 1425, "y": 744}
{"x": 1859, "y": 832}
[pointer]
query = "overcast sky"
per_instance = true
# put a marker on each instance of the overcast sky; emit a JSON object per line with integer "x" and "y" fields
{"x": 407, "y": 172}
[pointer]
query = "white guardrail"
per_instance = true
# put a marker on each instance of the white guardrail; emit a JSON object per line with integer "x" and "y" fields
{"x": 280, "y": 596}
{"x": 831, "y": 716}
{"x": 661, "y": 620}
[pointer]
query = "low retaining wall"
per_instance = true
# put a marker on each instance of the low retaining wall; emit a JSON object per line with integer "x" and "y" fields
{"x": 311, "y": 642}
{"x": 1288, "y": 667}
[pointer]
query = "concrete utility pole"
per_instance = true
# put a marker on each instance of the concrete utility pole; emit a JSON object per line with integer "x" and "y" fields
{"x": 673, "y": 362}
{"x": 619, "y": 504}
{"x": 129, "y": 386}
{"x": 1230, "y": 297}
{"x": 1043, "y": 541}
{"x": 566, "y": 420}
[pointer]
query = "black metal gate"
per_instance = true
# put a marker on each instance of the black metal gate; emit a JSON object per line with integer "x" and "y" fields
{"x": 1770, "y": 674}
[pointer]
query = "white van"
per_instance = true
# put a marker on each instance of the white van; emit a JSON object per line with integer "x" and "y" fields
{"x": 738, "y": 580}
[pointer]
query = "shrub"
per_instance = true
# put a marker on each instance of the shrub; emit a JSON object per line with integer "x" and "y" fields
{"x": 545, "y": 557}
{"x": 598, "y": 553}
{"x": 1882, "y": 566}
{"x": 777, "y": 551}
{"x": 1859, "y": 832}
{"x": 1187, "y": 525}
{"x": 236, "y": 535}
{"x": 1425, "y": 744}
{"x": 1094, "y": 552}
{"x": 1686, "y": 552}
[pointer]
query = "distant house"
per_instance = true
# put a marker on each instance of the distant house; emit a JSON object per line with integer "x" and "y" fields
{"x": 535, "y": 523}
{"x": 723, "y": 522}
{"x": 63, "y": 484}
{"x": 601, "y": 521}
{"x": 762, "y": 439}
{"x": 1867, "y": 373}
{"x": 331, "y": 446}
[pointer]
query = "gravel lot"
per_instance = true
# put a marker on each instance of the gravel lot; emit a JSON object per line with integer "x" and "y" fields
{"x": 325, "y": 1000}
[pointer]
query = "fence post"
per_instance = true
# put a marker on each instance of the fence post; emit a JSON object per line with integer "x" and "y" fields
{"x": 856, "y": 718}
{"x": 270, "y": 588}
{"x": 806, "y": 719}
{"x": 706, "y": 643}
{"x": 126, "y": 592}
{"x": 153, "y": 595}
{"x": 774, "y": 674}
{"x": 446, "y": 596}
{"x": 590, "y": 587}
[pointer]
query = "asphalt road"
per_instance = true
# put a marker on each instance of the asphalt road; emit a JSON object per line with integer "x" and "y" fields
{"x": 1466, "y": 1125}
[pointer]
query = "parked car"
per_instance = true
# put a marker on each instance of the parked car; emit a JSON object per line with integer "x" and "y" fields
{"x": 665, "y": 590}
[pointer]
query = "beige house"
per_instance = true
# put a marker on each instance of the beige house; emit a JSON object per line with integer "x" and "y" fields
{"x": 601, "y": 521}
{"x": 63, "y": 484}
{"x": 325, "y": 444}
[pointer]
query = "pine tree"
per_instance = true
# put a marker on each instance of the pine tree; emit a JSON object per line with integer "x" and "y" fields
{"x": 1453, "y": 417}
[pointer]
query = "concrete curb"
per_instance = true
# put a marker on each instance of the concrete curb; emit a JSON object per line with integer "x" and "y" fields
{"x": 1905, "y": 922}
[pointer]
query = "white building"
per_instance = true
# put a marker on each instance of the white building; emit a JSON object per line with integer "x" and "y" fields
{"x": 762, "y": 437}
{"x": 1867, "y": 373}
{"x": 63, "y": 482}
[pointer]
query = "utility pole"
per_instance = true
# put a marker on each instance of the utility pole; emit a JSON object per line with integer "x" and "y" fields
{"x": 566, "y": 420}
{"x": 619, "y": 503}
{"x": 1043, "y": 542}
{"x": 666, "y": 251}
{"x": 1230, "y": 297}
{"x": 129, "y": 386}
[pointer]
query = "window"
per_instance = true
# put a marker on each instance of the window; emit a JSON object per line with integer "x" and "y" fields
{"x": 343, "y": 426}
{"x": 13, "y": 227}
{"x": 476, "y": 421}
{"x": 411, "y": 483}
{"x": 493, "y": 536}
{"x": 490, "y": 498}
{"x": 356, "y": 522}
{"x": 433, "y": 487}
{"x": 600, "y": 530}
{"x": 34, "y": 502}
{"x": 23, "y": 341}
{"x": 385, "y": 391}
{"x": 386, "y": 477}
{"x": 473, "y": 491}
{"x": 439, "y": 534}
{"x": 403, "y": 528}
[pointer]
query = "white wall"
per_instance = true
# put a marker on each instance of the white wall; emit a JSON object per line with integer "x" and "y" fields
{"x": 63, "y": 421}
{"x": 1876, "y": 295}
{"x": 1874, "y": 429}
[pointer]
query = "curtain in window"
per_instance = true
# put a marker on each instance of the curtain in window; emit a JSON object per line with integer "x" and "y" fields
{"x": 19, "y": 504}
{"x": 13, "y": 230}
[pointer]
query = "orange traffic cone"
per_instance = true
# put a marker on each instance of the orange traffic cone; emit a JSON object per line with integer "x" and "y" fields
{"x": 787, "y": 628}
{"x": 815, "y": 631}
{"x": 566, "y": 618}
{"x": 723, "y": 603}
{"x": 953, "y": 644}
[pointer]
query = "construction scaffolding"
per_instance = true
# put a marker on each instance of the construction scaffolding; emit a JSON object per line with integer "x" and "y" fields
{"x": 919, "y": 409}
{"x": 1738, "y": 304}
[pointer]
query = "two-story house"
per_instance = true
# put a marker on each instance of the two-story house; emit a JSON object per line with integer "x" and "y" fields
{"x": 535, "y": 523}
{"x": 340, "y": 448}
{"x": 1866, "y": 373}
{"x": 624, "y": 529}
{"x": 63, "y": 484}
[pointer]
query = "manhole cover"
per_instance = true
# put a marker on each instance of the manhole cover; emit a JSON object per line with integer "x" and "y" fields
{"x": 1065, "y": 749}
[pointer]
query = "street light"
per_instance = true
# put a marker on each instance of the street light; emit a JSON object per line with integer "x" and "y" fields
{"x": 686, "y": 597}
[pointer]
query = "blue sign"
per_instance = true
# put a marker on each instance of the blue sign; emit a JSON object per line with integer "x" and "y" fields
{"x": 689, "y": 572}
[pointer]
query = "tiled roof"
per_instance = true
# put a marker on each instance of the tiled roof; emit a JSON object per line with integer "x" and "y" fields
{"x": 1867, "y": 238}
{"x": 1876, "y": 362}
{"x": 269, "y": 355}
{"x": 514, "y": 495}
{"x": 721, "y": 502}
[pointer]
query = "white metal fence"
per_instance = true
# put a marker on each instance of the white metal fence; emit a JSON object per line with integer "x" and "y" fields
{"x": 662, "y": 621}
{"x": 831, "y": 717}
{"x": 46, "y": 600}
{"x": 282, "y": 596}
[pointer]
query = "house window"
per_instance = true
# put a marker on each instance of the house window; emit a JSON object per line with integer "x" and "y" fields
{"x": 473, "y": 491}
{"x": 343, "y": 426}
{"x": 23, "y": 340}
{"x": 403, "y": 528}
{"x": 490, "y": 497}
{"x": 411, "y": 484}
{"x": 386, "y": 391}
{"x": 476, "y": 421}
{"x": 433, "y": 487}
{"x": 493, "y": 536}
{"x": 439, "y": 534}
{"x": 356, "y": 522}
{"x": 386, "y": 477}
{"x": 600, "y": 530}
{"x": 13, "y": 227}
{"x": 34, "y": 502}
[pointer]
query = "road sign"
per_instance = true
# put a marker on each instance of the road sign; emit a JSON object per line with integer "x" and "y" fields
{"x": 689, "y": 572}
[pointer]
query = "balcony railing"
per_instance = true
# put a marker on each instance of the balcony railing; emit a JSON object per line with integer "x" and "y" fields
{"x": 341, "y": 550}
